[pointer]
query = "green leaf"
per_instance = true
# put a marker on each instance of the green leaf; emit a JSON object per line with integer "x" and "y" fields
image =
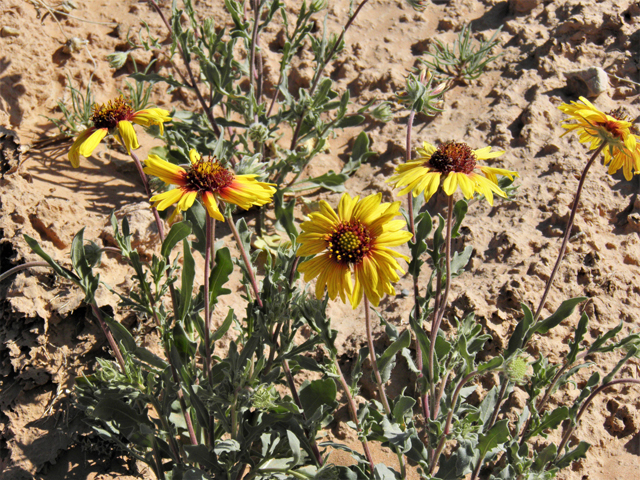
{"x": 88, "y": 281}
{"x": 495, "y": 437}
{"x": 564, "y": 310}
{"x": 350, "y": 121}
{"x": 460, "y": 260}
{"x": 331, "y": 181}
{"x": 154, "y": 78}
{"x": 318, "y": 393}
{"x": 359, "y": 154}
{"x": 547, "y": 455}
{"x": 200, "y": 454}
{"x": 580, "y": 331}
{"x": 294, "y": 444}
{"x": 424, "y": 344}
{"x": 599, "y": 342}
{"x": 389, "y": 354}
{"x": 460, "y": 211}
{"x": 492, "y": 364}
{"x": 577, "y": 453}
{"x": 459, "y": 463}
{"x": 120, "y": 333}
{"x": 63, "y": 272}
{"x": 631, "y": 352}
{"x": 179, "y": 231}
{"x": 550, "y": 420}
{"x": 220, "y": 275}
{"x": 519, "y": 335}
{"x": 224, "y": 328}
{"x": 284, "y": 213}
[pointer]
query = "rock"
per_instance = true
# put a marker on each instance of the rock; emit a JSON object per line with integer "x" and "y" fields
{"x": 589, "y": 82}
{"x": 522, "y": 6}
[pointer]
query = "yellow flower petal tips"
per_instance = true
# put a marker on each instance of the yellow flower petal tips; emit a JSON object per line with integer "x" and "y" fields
{"x": 208, "y": 179}
{"x": 594, "y": 127}
{"x": 116, "y": 116}
{"x": 453, "y": 165}
{"x": 355, "y": 240}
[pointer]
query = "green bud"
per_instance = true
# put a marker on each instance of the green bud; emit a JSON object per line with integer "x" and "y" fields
{"x": 258, "y": 132}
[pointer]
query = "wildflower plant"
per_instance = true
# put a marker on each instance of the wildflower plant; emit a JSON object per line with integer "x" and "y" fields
{"x": 192, "y": 409}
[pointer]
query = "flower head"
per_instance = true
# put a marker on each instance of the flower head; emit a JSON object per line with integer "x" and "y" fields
{"x": 355, "y": 240}
{"x": 456, "y": 165}
{"x": 210, "y": 180}
{"x": 595, "y": 127}
{"x": 111, "y": 118}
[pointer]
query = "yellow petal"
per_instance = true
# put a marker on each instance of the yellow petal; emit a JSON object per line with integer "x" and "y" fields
{"x": 128, "y": 135}
{"x": 89, "y": 145}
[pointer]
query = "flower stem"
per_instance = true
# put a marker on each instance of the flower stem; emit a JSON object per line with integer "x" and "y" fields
{"x": 416, "y": 290}
{"x": 376, "y": 372}
{"x": 372, "y": 358}
{"x": 447, "y": 427}
{"x": 321, "y": 67}
{"x": 207, "y": 305}
{"x": 439, "y": 314}
{"x": 586, "y": 404}
{"x": 107, "y": 333}
{"x": 351, "y": 404}
{"x": 245, "y": 259}
{"x": 207, "y": 109}
{"x": 567, "y": 232}
{"x": 19, "y": 268}
{"x": 296, "y": 399}
{"x": 145, "y": 182}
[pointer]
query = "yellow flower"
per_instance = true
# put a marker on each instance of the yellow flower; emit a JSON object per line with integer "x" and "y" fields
{"x": 595, "y": 127}
{"x": 455, "y": 164}
{"x": 355, "y": 238}
{"x": 208, "y": 179}
{"x": 116, "y": 115}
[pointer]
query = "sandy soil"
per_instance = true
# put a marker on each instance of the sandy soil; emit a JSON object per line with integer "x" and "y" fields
{"x": 46, "y": 339}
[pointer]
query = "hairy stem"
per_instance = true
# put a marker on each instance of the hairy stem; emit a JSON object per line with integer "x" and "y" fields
{"x": 447, "y": 426}
{"x": 296, "y": 399}
{"x": 245, "y": 259}
{"x": 376, "y": 372}
{"x": 372, "y": 358}
{"x": 586, "y": 404}
{"x": 567, "y": 232}
{"x": 24, "y": 266}
{"x": 207, "y": 109}
{"x": 351, "y": 404}
{"x": 107, "y": 333}
{"x": 321, "y": 67}
{"x": 438, "y": 315}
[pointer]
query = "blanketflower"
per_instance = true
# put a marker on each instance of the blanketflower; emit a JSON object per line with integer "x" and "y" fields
{"x": 208, "y": 179}
{"x": 456, "y": 165}
{"x": 595, "y": 127}
{"x": 109, "y": 118}
{"x": 355, "y": 240}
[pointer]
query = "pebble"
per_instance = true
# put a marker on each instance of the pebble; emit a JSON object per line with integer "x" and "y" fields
{"x": 590, "y": 82}
{"x": 9, "y": 32}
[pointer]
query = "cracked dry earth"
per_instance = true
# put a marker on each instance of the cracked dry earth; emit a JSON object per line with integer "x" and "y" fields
{"x": 46, "y": 338}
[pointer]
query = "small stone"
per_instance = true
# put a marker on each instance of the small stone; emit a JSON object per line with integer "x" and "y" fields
{"x": 522, "y": 6}
{"x": 589, "y": 82}
{"x": 9, "y": 32}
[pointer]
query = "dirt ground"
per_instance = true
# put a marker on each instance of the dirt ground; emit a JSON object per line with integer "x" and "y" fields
{"x": 46, "y": 339}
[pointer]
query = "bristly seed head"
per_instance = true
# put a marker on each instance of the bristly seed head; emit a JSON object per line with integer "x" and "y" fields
{"x": 350, "y": 242}
{"x": 453, "y": 157}
{"x": 208, "y": 176}
{"x": 108, "y": 115}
